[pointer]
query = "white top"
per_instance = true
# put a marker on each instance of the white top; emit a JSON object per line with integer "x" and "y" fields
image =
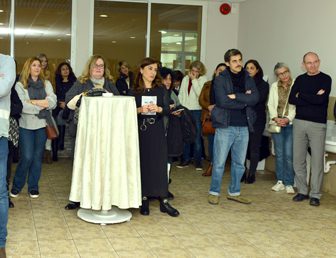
{"x": 191, "y": 101}
{"x": 273, "y": 101}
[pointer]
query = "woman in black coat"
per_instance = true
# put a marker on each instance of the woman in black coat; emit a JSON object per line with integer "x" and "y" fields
{"x": 256, "y": 72}
{"x": 152, "y": 105}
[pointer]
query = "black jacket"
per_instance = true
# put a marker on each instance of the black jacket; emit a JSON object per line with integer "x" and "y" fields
{"x": 122, "y": 85}
{"x": 222, "y": 87}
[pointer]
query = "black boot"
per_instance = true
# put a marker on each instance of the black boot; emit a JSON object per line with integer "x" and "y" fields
{"x": 61, "y": 130}
{"x": 10, "y": 203}
{"x": 250, "y": 179}
{"x": 243, "y": 179}
{"x": 144, "y": 209}
{"x": 170, "y": 196}
{"x": 54, "y": 147}
{"x": 166, "y": 207}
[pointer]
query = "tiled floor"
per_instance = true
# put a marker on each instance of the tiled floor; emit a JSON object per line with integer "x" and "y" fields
{"x": 272, "y": 226}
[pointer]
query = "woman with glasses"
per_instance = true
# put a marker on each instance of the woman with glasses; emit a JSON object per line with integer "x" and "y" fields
{"x": 96, "y": 75}
{"x": 281, "y": 113}
{"x": 152, "y": 103}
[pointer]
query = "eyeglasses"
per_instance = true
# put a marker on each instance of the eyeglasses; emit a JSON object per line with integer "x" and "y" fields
{"x": 101, "y": 66}
{"x": 283, "y": 73}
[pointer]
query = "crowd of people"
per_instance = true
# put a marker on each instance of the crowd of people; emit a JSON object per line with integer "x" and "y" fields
{"x": 236, "y": 102}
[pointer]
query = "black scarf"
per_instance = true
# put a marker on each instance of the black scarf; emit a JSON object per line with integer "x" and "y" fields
{"x": 36, "y": 90}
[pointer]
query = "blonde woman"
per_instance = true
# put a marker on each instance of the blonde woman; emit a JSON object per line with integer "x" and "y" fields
{"x": 95, "y": 75}
{"x": 282, "y": 113}
{"x": 190, "y": 91}
{"x": 38, "y": 98}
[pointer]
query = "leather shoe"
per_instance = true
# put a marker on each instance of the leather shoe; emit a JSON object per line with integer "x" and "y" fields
{"x": 167, "y": 208}
{"x": 2, "y": 252}
{"x": 144, "y": 209}
{"x": 72, "y": 205}
{"x": 314, "y": 202}
{"x": 300, "y": 197}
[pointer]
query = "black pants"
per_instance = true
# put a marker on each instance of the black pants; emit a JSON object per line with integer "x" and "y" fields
{"x": 11, "y": 150}
{"x": 254, "y": 147}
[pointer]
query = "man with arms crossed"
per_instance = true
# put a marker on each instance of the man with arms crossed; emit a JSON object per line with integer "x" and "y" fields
{"x": 235, "y": 92}
{"x": 7, "y": 79}
{"x": 310, "y": 94}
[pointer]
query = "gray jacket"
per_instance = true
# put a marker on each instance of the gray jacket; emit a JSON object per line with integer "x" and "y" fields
{"x": 7, "y": 79}
{"x": 223, "y": 86}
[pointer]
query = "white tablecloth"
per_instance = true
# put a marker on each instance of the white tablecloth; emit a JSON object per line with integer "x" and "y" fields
{"x": 106, "y": 169}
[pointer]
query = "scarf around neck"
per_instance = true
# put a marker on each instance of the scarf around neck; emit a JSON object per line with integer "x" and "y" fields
{"x": 36, "y": 90}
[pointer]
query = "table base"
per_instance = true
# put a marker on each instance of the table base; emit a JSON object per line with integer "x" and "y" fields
{"x": 115, "y": 215}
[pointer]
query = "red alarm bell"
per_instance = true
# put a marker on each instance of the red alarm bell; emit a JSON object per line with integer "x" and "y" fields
{"x": 225, "y": 9}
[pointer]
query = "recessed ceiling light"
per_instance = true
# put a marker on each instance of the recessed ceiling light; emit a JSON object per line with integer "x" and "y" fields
{"x": 176, "y": 35}
{"x": 132, "y": 37}
{"x": 103, "y": 15}
{"x": 68, "y": 34}
{"x": 113, "y": 41}
{"x": 59, "y": 40}
{"x": 163, "y": 31}
{"x": 178, "y": 43}
{"x": 1, "y": 24}
{"x": 1, "y": 11}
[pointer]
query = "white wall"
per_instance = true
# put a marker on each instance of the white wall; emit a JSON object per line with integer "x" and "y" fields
{"x": 272, "y": 31}
{"x": 222, "y": 34}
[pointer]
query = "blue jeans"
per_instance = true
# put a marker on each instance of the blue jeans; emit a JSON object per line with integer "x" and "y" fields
{"x": 283, "y": 145}
{"x": 235, "y": 139}
{"x": 196, "y": 114}
{"x": 3, "y": 191}
{"x": 31, "y": 144}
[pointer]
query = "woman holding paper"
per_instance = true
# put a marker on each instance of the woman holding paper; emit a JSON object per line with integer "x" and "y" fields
{"x": 152, "y": 103}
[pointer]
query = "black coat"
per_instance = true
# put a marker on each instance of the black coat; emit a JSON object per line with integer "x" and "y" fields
{"x": 122, "y": 85}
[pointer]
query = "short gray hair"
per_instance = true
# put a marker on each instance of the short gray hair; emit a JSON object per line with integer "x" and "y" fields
{"x": 280, "y": 65}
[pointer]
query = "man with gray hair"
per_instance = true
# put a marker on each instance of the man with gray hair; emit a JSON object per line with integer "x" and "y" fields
{"x": 7, "y": 78}
{"x": 310, "y": 94}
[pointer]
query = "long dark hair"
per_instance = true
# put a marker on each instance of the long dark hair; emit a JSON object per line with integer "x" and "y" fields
{"x": 164, "y": 72}
{"x": 260, "y": 74}
{"x": 58, "y": 75}
{"x": 139, "y": 85}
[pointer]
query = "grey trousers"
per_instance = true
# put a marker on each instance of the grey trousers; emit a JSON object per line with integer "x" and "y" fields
{"x": 308, "y": 134}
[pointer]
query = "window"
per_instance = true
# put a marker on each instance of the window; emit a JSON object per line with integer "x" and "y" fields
{"x": 5, "y": 27}
{"x": 120, "y": 32}
{"x": 176, "y": 34}
{"x": 42, "y": 26}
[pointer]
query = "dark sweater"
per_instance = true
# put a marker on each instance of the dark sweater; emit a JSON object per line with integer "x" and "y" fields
{"x": 310, "y": 106}
{"x": 238, "y": 116}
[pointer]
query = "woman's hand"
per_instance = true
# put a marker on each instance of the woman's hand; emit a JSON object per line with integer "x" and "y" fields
{"x": 281, "y": 121}
{"x": 61, "y": 104}
{"x": 154, "y": 108}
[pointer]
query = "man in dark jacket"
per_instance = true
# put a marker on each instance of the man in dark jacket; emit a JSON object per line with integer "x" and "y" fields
{"x": 233, "y": 116}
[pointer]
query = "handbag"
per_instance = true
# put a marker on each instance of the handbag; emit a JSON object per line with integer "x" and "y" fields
{"x": 273, "y": 127}
{"x": 207, "y": 127}
{"x": 52, "y": 130}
